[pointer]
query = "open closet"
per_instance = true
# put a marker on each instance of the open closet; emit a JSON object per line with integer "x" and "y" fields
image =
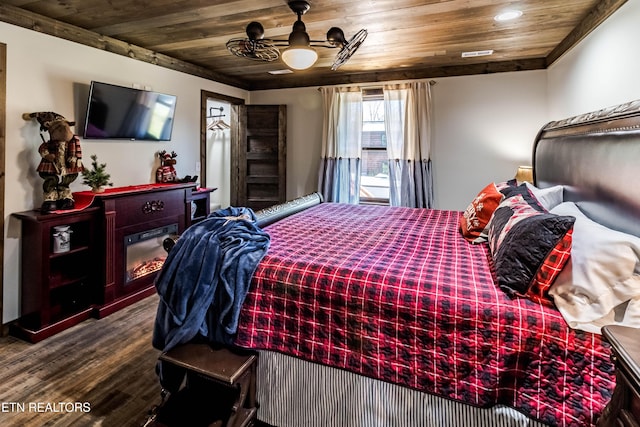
{"x": 218, "y": 137}
{"x": 243, "y": 152}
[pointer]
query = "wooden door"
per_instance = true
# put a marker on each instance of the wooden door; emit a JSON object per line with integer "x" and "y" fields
{"x": 258, "y": 159}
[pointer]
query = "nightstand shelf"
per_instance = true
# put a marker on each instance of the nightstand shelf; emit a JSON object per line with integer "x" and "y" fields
{"x": 624, "y": 408}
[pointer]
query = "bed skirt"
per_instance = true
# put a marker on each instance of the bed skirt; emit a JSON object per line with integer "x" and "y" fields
{"x": 292, "y": 392}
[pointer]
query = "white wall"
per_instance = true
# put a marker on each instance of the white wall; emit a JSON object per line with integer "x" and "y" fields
{"x": 304, "y": 134}
{"x": 218, "y": 167}
{"x": 484, "y": 128}
{"x": 602, "y": 71}
{"x": 45, "y": 73}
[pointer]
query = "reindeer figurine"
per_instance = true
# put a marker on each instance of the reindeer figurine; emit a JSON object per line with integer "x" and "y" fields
{"x": 166, "y": 173}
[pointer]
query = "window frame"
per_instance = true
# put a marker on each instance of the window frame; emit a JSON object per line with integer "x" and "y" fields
{"x": 373, "y": 94}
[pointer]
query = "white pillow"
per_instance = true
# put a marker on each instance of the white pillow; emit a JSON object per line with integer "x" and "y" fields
{"x": 549, "y": 197}
{"x": 600, "y": 284}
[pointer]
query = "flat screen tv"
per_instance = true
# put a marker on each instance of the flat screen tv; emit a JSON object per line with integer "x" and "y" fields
{"x": 118, "y": 112}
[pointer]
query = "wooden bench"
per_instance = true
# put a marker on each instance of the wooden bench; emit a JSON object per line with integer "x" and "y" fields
{"x": 219, "y": 390}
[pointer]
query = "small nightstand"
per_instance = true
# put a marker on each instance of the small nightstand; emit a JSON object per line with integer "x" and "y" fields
{"x": 624, "y": 408}
{"x": 219, "y": 389}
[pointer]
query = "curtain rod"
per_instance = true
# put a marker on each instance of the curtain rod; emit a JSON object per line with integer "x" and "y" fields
{"x": 372, "y": 85}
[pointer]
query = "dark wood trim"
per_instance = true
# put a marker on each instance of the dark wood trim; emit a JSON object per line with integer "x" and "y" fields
{"x": 237, "y": 195}
{"x": 33, "y": 21}
{"x": 204, "y": 97}
{"x": 3, "y": 113}
{"x": 291, "y": 81}
{"x": 597, "y": 16}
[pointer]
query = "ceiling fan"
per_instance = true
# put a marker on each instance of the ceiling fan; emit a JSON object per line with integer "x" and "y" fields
{"x": 299, "y": 53}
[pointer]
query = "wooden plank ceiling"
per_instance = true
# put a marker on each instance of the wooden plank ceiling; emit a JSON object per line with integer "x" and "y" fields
{"x": 407, "y": 39}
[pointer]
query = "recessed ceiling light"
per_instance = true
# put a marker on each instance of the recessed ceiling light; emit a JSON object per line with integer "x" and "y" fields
{"x": 276, "y": 72}
{"x": 508, "y": 15}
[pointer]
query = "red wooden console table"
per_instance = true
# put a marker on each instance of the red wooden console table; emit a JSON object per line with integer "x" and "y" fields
{"x": 95, "y": 275}
{"x": 134, "y": 213}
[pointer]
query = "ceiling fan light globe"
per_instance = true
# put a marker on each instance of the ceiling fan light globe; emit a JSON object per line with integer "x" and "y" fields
{"x": 299, "y": 58}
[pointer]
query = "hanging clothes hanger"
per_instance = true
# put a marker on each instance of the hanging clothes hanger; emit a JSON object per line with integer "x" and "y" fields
{"x": 217, "y": 123}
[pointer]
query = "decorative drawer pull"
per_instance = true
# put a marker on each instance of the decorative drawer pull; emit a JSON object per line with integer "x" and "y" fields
{"x": 153, "y": 206}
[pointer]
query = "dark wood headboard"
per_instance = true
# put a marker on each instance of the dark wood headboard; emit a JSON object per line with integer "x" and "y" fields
{"x": 596, "y": 156}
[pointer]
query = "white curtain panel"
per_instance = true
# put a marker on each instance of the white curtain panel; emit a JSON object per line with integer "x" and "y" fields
{"x": 408, "y": 129}
{"x": 339, "y": 179}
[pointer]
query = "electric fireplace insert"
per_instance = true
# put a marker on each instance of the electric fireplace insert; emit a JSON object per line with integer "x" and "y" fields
{"x": 144, "y": 252}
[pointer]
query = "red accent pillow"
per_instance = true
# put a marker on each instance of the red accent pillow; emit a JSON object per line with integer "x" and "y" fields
{"x": 474, "y": 221}
{"x": 549, "y": 270}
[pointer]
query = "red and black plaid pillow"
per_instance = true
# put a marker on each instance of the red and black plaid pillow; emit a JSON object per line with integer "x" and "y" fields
{"x": 529, "y": 245}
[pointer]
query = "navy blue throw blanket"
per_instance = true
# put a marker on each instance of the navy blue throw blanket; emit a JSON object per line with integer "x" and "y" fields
{"x": 205, "y": 279}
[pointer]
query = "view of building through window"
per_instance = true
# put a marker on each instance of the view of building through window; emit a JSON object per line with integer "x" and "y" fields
{"x": 374, "y": 179}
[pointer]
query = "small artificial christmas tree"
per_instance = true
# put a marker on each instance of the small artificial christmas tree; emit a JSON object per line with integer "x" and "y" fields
{"x": 97, "y": 177}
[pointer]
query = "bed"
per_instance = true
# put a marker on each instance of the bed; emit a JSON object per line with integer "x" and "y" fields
{"x": 379, "y": 316}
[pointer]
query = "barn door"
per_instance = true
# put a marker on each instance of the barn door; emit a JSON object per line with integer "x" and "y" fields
{"x": 258, "y": 159}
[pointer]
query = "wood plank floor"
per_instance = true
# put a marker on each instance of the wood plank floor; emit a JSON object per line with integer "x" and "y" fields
{"x": 105, "y": 367}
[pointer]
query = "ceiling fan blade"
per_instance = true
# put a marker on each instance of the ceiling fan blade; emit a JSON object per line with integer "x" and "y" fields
{"x": 349, "y": 49}
{"x": 257, "y": 50}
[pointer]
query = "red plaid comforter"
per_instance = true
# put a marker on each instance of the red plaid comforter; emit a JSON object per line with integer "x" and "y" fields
{"x": 397, "y": 294}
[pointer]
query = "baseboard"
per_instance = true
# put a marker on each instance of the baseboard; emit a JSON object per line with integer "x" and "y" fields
{"x": 120, "y": 303}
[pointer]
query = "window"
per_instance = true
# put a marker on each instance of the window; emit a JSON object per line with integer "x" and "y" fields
{"x": 374, "y": 177}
